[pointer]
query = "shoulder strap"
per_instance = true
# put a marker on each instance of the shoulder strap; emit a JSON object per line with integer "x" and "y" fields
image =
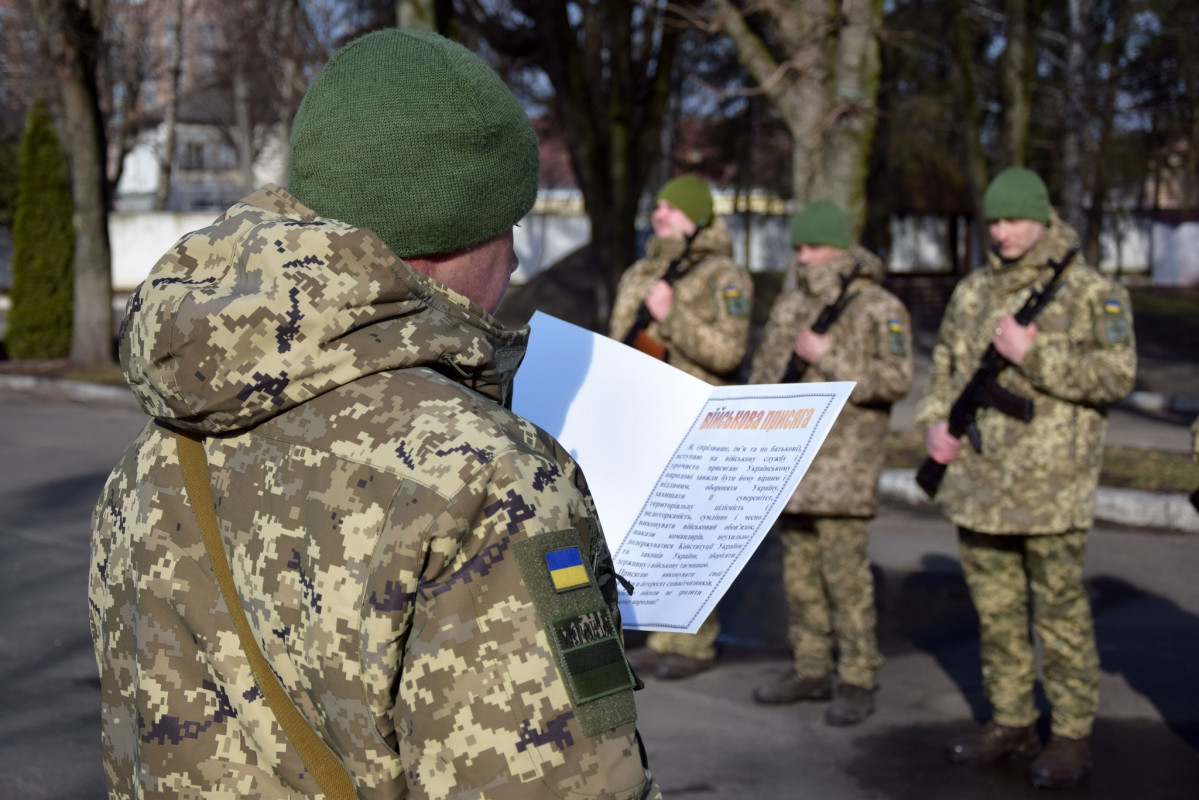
{"x": 321, "y": 762}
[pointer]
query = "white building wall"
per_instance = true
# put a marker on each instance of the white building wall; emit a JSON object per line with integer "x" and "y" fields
{"x": 1169, "y": 254}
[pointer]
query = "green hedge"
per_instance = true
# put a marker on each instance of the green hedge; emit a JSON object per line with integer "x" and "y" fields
{"x": 39, "y": 321}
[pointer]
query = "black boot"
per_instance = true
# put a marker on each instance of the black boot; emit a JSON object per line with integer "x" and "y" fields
{"x": 992, "y": 742}
{"x": 792, "y": 687}
{"x": 851, "y": 705}
{"x": 1063, "y": 763}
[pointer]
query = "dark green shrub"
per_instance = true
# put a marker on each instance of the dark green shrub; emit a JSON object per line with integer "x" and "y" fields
{"x": 39, "y": 321}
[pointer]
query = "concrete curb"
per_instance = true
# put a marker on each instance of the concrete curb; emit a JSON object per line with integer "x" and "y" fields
{"x": 77, "y": 391}
{"x": 1171, "y": 511}
{"x": 1155, "y": 403}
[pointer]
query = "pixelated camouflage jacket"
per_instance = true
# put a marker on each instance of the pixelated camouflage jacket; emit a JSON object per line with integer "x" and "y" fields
{"x": 871, "y": 343}
{"x": 707, "y": 330}
{"x": 422, "y": 567}
{"x": 1040, "y": 476}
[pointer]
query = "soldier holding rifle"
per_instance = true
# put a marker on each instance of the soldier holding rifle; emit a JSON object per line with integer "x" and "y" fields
{"x": 839, "y": 325}
{"x": 1023, "y": 501}
{"x": 687, "y": 302}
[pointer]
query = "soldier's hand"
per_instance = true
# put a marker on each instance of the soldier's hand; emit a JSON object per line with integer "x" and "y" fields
{"x": 660, "y": 300}
{"x": 811, "y": 346}
{"x": 941, "y": 446}
{"x": 1012, "y": 339}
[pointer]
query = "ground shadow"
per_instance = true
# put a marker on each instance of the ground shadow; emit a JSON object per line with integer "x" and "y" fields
{"x": 1154, "y": 645}
{"x": 1133, "y": 759}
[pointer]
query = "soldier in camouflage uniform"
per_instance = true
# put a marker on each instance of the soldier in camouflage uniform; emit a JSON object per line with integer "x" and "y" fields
{"x": 1024, "y": 504}
{"x": 826, "y": 572}
{"x": 423, "y": 569}
{"x": 702, "y": 321}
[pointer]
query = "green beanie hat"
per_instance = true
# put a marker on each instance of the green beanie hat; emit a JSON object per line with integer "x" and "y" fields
{"x": 1016, "y": 193}
{"x": 691, "y": 195}
{"x": 412, "y": 136}
{"x": 821, "y": 223}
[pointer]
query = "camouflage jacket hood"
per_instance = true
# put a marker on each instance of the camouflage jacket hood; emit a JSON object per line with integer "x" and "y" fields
{"x": 272, "y": 305}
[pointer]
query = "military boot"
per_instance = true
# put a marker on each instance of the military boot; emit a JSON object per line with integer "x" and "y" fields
{"x": 1063, "y": 763}
{"x": 992, "y": 742}
{"x": 672, "y": 666}
{"x": 851, "y": 705}
{"x": 792, "y": 687}
{"x": 644, "y": 660}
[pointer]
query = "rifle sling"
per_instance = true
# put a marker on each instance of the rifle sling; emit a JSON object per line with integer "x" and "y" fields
{"x": 328, "y": 771}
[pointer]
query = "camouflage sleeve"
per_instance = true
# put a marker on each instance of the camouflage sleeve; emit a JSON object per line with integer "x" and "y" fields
{"x": 874, "y": 349}
{"x": 514, "y": 681}
{"x": 1195, "y": 439}
{"x": 1094, "y": 362}
{"x": 709, "y": 323}
{"x": 778, "y": 340}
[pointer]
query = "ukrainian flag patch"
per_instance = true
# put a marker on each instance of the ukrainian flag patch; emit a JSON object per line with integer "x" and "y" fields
{"x": 566, "y": 569}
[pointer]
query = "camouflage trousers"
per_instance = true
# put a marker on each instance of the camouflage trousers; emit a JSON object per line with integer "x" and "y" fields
{"x": 830, "y": 597}
{"x": 701, "y": 645}
{"x": 1002, "y": 571}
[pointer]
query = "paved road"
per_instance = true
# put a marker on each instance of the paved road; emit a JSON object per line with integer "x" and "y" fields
{"x": 707, "y": 740}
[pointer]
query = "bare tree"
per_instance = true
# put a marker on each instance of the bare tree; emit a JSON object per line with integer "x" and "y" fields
{"x": 69, "y": 31}
{"x": 607, "y": 64}
{"x": 818, "y": 63}
{"x": 170, "y": 117}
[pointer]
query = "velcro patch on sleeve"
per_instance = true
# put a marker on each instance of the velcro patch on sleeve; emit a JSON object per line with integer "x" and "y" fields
{"x": 1115, "y": 322}
{"x": 734, "y": 301}
{"x": 895, "y": 336}
{"x": 580, "y": 628}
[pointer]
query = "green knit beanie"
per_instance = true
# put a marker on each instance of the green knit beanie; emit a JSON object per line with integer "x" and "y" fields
{"x": 691, "y": 195}
{"x": 1016, "y": 193}
{"x": 412, "y": 136}
{"x": 821, "y": 223}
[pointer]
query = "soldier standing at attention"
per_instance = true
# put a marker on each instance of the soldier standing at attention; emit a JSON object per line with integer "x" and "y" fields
{"x": 1024, "y": 504}
{"x": 422, "y": 570}
{"x": 826, "y": 572}
{"x": 699, "y": 322}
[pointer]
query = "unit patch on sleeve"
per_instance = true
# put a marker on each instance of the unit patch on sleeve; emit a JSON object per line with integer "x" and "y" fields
{"x": 595, "y": 663}
{"x": 734, "y": 301}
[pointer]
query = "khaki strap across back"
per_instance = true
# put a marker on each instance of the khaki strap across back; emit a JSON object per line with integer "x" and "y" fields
{"x": 325, "y": 767}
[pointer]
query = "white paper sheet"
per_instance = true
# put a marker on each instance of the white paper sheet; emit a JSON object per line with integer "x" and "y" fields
{"x": 687, "y": 477}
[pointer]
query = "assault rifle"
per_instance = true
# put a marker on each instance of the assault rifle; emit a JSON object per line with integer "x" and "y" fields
{"x": 636, "y": 336}
{"x": 984, "y": 391}
{"x": 796, "y": 367}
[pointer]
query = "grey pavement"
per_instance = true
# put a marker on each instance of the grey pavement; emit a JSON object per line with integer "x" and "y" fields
{"x": 705, "y": 737}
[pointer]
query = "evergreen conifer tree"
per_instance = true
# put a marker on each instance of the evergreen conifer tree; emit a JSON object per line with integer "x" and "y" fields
{"x": 39, "y": 321}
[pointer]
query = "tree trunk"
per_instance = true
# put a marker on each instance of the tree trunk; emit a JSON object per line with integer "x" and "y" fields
{"x": 976, "y": 161}
{"x": 1074, "y": 117}
{"x": 1016, "y": 84}
{"x": 71, "y": 37}
{"x": 245, "y": 129}
{"x": 166, "y": 158}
